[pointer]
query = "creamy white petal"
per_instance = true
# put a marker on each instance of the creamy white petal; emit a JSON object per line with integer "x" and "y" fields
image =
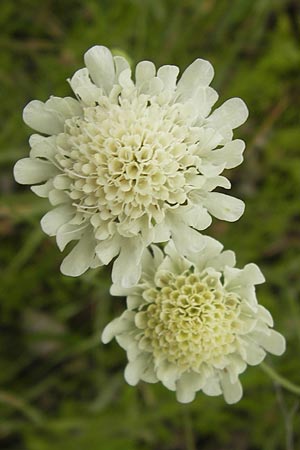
{"x": 204, "y": 98}
{"x": 55, "y": 218}
{"x": 44, "y": 148}
{"x": 127, "y": 267}
{"x": 168, "y": 75}
{"x": 100, "y": 64}
{"x": 37, "y": 116}
{"x": 64, "y": 108}
{"x": 42, "y": 190}
{"x": 168, "y": 374}
{"x": 184, "y": 392}
{"x": 87, "y": 92}
{"x": 212, "y": 387}
{"x": 249, "y": 275}
{"x": 144, "y": 72}
{"x": 231, "y": 154}
{"x": 135, "y": 369}
{"x": 115, "y": 327}
{"x": 231, "y": 114}
{"x": 274, "y": 342}
{"x": 224, "y": 207}
{"x": 80, "y": 258}
{"x": 199, "y": 73}
{"x": 232, "y": 392}
{"x": 108, "y": 249}
{"x": 67, "y": 233}
{"x": 57, "y": 197}
{"x": 197, "y": 217}
{"x": 254, "y": 354}
{"x": 120, "y": 64}
{"x": 33, "y": 171}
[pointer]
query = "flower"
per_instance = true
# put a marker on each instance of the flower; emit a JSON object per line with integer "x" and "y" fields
{"x": 130, "y": 163}
{"x": 194, "y": 323}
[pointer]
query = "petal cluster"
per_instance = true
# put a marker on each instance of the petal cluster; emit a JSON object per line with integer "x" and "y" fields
{"x": 132, "y": 160}
{"x": 194, "y": 323}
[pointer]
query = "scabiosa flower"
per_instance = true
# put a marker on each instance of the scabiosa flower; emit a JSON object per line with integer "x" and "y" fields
{"x": 194, "y": 323}
{"x": 131, "y": 162}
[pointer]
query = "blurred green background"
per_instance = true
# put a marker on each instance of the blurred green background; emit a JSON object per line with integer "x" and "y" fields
{"x": 60, "y": 387}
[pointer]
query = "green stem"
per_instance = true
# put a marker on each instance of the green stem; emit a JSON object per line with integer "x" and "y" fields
{"x": 280, "y": 379}
{"x": 189, "y": 435}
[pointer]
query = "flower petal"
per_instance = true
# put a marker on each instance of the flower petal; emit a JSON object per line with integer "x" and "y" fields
{"x": 80, "y": 258}
{"x": 67, "y": 233}
{"x": 224, "y": 207}
{"x": 233, "y": 392}
{"x": 199, "y": 73}
{"x": 33, "y": 171}
{"x": 117, "y": 326}
{"x": 84, "y": 89}
{"x": 100, "y": 64}
{"x": 55, "y": 218}
{"x": 38, "y": 117}
{"x": 231, "y": 114}
{"x": 144, "y": 72}
{"x": 168, "y": 75}
{"x": 127, "y": 267}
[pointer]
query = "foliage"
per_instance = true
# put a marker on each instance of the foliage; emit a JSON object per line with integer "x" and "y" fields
{"x": 59, "y": 386}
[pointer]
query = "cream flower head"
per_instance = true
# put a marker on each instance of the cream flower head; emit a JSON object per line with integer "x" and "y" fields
{"x": 131, "y": 162}
{"x": 194, "y": 323}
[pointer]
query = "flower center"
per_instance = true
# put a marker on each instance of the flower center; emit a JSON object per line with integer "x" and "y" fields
{"x": 190, "y": 320}
{"x": 128, "y": 160}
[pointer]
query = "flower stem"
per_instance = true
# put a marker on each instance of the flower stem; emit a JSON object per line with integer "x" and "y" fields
{"x": 280, "y": 379}
{"x": 189, "y": 435}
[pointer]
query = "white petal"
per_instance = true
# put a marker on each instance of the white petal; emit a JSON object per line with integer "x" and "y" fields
{"x": 265, "y": 315}
{"x": 250, "y": 274}
{"x": 55, "y": 218}
{"x": 199, "y": 73}
{"x": 144, "y": 72}
{"x": 67, "y": 233}
{"x": 231, "y": 114}
{"x": 38, "y": 117}
{"x": 134, "y": 369}
{"x": 45, "y": 148}
{"x": 80, "y": 258}
{"x": 57, "y": 197}
{"x": 168, "y": 374}
{"x": 226, "y": 258}
{"x": 161, "y": 233}
{"x": 149, "y": 374}
{"x": 186, "y": 239}
{"x": 127, "y": 269}
{"x": 83, "y": 87}
{"x": 64, "y": 108}
{"x": 125, "y": 80}
{"x": 32, "y": 171}
{"x": 224, "y": 207}
{"x": 168, "y": 75}
{"x": 42, "y": 190}
{"x": 231, "y": 154}
{"x": 274, "y": 343}
{"x": 232, "y": 392}
{"x": 108, "y": 249}
{"x": 184, "y": 392}
{"x": 120, "y": 64}
{"x": 254, "y": 354}
{"x": 100, "y": 64}
{"x": 204, "y": 98}
{"x": 198, "y": 217}
{"x": 36, "y": 139}
{"x": 115, "y": 327}
{"x": 212, "y": 387}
